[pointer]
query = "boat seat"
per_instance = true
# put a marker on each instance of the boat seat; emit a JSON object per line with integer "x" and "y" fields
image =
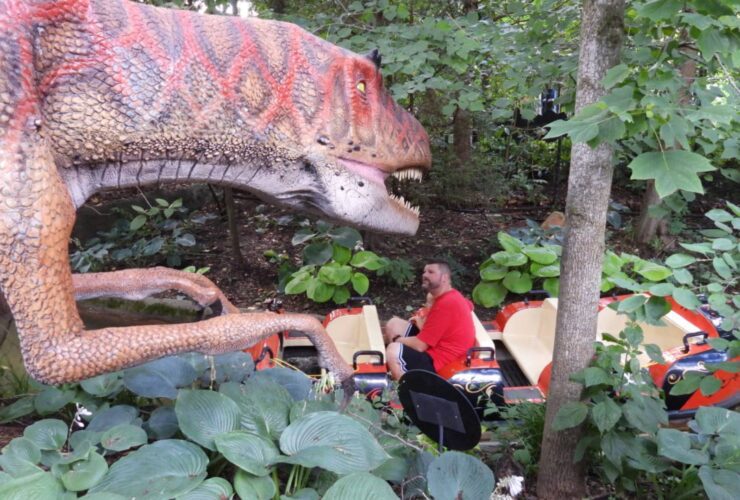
{"x": 482, "y": 338}
{"x": 529, "y": 335}
{"x": 665, "y": 337}
{"x": 357, "y": 332}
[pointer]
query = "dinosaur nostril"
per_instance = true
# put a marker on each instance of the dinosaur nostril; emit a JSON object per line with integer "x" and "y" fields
{"x": 323, "y": 140}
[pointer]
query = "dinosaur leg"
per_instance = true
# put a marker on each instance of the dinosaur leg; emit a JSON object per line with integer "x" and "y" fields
{"x": 135, "y": 284}
{"x": 36, "y": 218}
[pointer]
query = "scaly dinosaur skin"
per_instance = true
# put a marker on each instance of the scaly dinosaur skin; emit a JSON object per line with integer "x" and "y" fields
{"x": 99, "y": 95}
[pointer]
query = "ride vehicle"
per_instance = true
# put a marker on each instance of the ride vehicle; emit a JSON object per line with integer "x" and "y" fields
{"x": 512, "y": 357}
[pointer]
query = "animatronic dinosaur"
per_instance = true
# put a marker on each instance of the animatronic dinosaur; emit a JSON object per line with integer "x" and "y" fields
{"x": 99, "y": 95}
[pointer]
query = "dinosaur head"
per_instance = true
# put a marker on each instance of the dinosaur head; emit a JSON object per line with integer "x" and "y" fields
{"x": 361, "y": 139}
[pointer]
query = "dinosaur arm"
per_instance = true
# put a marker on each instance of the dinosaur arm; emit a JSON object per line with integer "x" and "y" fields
{"x": 136, "y": 284}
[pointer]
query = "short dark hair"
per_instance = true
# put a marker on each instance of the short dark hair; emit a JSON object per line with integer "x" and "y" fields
{"x": 443, "y": 266}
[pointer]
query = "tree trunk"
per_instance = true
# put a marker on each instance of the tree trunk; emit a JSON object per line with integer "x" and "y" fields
{"x": 461, "y": 133}
{"x": 589, "y": 186}
{"x": 647, "y": 226}
{"x": 236, "y": 249}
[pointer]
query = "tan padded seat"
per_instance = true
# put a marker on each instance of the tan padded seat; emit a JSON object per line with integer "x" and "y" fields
{"x": 665, "y": 337}
{"x": 529, "y": 336}
{"x": 357, "y": 332}
{"x": 482, "y": 338}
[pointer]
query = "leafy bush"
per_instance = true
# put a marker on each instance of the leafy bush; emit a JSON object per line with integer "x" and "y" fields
{"x": 333, "y": 259}
{"x": 162, "y": 229}
{"x": 257, "y": 434}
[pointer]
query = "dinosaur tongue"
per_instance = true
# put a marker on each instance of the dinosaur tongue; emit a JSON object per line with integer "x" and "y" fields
{"x": 366, "y": 171}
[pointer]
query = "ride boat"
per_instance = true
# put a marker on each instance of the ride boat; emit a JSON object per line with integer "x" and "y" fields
{"x": 511, "y": 360}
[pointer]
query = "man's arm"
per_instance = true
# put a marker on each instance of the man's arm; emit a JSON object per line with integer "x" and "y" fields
{"x": 413, "y": 342}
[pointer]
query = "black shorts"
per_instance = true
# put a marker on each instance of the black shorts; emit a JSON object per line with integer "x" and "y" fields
{"x": 411, "y": 359}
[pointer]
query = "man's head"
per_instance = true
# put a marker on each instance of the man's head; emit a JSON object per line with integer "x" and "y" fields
{"x": 436, "y": 278}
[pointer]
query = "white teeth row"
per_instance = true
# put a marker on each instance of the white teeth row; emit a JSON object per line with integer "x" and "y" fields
{"x": 404, "y": 203}
{"x": 413, "y": 174}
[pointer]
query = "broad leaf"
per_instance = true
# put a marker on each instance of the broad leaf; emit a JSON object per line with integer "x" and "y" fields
{"x": 457, "y": 475}
{"x": 111, "y": 417}
{"x": 367, "y": 260}
{"x": 360, "y": 486}
{"x": 509, "y": 259}
{"x": 676, "y": 445}
{"x": 686, "y": 298}
{"x": 654, "y": 272}
{"x": 492, "y": 272}
{"x": 252, "y": 487}
{"x": 518, "y": 282}
{"x": 714, "y": 420}
{"x": 214, "y": 488}
{"x": 360, "y": 283}
{"x": 162, "y": 423}
{"x": 249, "y": 452}
{"x": 48, "y": 434}
{"x": 509, "y": 243}
{"x": 160, "y": 378}
{"x": 40, "y": 485}
{"x": 332, "y": 441}
{"x": 540, "y": 255}
{"x": 606, "y": 414}
{"x": 489, "y": 294}
{"x": 123, "y": 437}
{"x": 720, "y": 484}
{"x": 203, "y": 415}
{"x": 82, "y": 474}
{"x": 103, "y": 385}
{"x": 264, "y": 404}
{"x": 346, "y": 236}
{"x": 570, "y": 415}
{"x": 164, "y": 469}
{"x": 672, "y": 170}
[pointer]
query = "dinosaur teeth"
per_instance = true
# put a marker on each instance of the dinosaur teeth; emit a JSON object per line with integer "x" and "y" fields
{"x": 405, "y": 204}
{"x": 413, "y": 174}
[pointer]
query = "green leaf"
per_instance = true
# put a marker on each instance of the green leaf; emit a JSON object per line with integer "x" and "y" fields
{"x": 672, "y": 170}
{"x": 715, "y": 420}
{"x": 645, "y": 414}
{"x": 41, "y": 485}
{"x": 509, "y": 259}
{"x": 332, "y": 441}
{"x": 709, "y": 385}
{"x": 341, "y": 295}
{"x": 264, "y": 403}
{"x": 710, "y": 42}
{"x": 252, "y": 487}
{"x": 676, "y": 445}
{"x": 654, "y": 272}
{"x": 678, "y": 260}
{"x": 367, "y": 260}
{"x": 492, "y": 272}
{"x": 82, "y": 475}
{"x": 631, "y": 304}
{"x": 594, "y": 375}
{"x": 704, "y": 248}
{"x": 660, "y": 9}
{"x": 720, "y": 484}
{"x": 509, "y": 243}
{"x": 723, "y": 244}
{"x": 123, "y": 437}
{"x": 615, "y": 75}
{"x": 489, "y": 294}
{"x": 319, "y": 291}
{"x": 620, "y": 100}
{"x": 48, "y": 434}
{"x": 606, "y": 414}
{"x": 203, "y": 415}
{"x": 302, "y": 236}
{"x": 552, "y": 286}
{"x": 661, "y": 289}
{"x": 360, "y": 283}
{"x": 719, "y": 215}
{"x": 318, "y": 253}
{"x": 688, "y": 385}
{"x": 360, "y": 486}
{"x": 570, "y": 415}
{"x": 518, "y": 282}
{"x": 346, "y": 236}
{"x": 457, "y": 475}
{"x": 656, "y": 308}
{"x": 299, "y": 284}
{"x": 18, "y": 409}
{"x": 686, "y": 298}
{"x": 341, "y": 255}
{"x": 335, "y": 274}
{"x": 683, "y": 276}
{"x": 137, "y": 222}
{"x": 214, "y": 488}
{"x": 721, "y": 268}
{"x": 103, "y": 385}
{"x": 540, "y": 255}
{"x": 52, "y": 399}
{"x": 163, "y": 469}
{"x": 160, "y": 378}
{"x": 654, "y": 353}
{"x": 249, "y": 452}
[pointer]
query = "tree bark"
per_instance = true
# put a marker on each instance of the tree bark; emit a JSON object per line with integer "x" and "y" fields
{"x": 589, "y": 186}
{"x": 461, "y": 134}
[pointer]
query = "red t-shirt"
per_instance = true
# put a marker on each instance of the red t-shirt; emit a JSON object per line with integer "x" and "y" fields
{"x": 448, "y": 331}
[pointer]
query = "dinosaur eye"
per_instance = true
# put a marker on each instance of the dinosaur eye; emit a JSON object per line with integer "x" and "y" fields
{"x": 361, "y": 86}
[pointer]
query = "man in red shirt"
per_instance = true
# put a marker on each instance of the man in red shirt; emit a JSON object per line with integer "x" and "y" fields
{"x": 444, "y": 334}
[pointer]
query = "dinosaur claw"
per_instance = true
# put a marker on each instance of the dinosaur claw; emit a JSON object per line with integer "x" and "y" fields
{"x": 348, "y": 388}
